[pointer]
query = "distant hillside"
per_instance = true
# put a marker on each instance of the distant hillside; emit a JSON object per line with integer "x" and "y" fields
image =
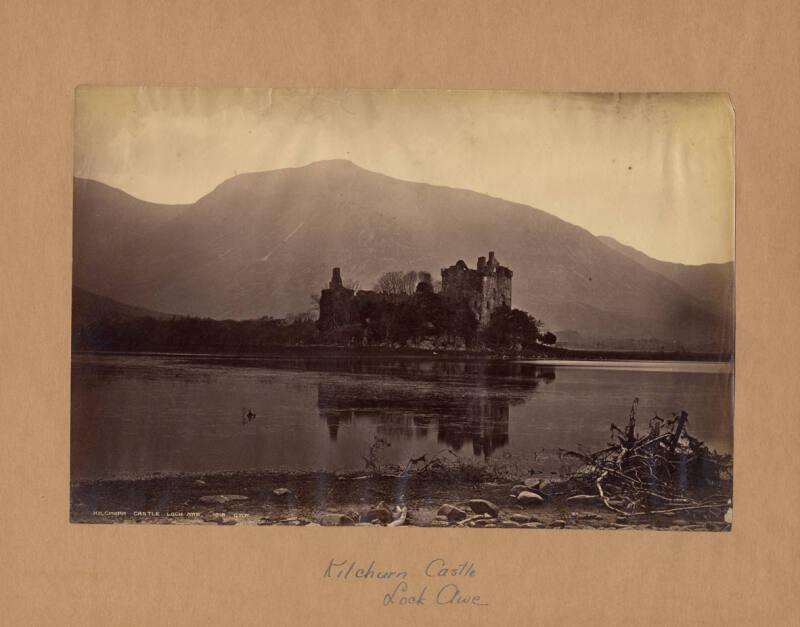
{"x": 88, "y": 308}
{"x": 712, "y": 282}
{"x": 262, "y": 243}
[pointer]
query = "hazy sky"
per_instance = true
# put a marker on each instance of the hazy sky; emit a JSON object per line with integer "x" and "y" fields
{"x": 652, "y": 171}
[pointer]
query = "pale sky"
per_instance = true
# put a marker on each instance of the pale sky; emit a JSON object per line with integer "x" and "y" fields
{"x": 653, "y": 171}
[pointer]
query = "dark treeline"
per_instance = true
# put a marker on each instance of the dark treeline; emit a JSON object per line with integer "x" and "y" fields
{"x": 430, "y": 320}
{"x": 422, "y": 320}
{"x": 193, "y": 335}
{"x": 205, "y": 335}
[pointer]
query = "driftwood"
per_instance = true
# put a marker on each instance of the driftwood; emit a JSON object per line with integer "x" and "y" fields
{"x": 402, "y": 513}
{"x": 466, "y": 521}
{"x": 665, "y": 472}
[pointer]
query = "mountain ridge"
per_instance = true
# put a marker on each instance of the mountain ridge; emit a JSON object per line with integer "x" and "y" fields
{"x": 260, "y": 243}
{"x": 88, "y": 307}
{"x": 708, "y": 281}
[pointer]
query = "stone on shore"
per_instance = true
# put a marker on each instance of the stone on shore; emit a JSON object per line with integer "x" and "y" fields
{"x": 510, "y": 524}
{"x": 484, "y": 522}
{"x": 585, "y": 499}
{"x": 221, "y": 499}
{"x": 379, "y": 514}
{"x": 542, "y": 486}
{"x": 282, "y": 492}
{"x": 529, "y": 498}
{"x": 482, "y": 506}
{"x": 336, "y": 520}
{"x": 585, "y": 515}
{"x": 520, "y": 518}
{"x": 451, "y": 512}
{"x": 218, "y": 518}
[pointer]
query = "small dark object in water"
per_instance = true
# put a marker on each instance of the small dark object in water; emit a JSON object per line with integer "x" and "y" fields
{"x": 249, "y": 416}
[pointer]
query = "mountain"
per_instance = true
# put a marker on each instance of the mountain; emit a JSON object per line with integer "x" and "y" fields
{"x": 262, "y": 243}
{"x": 711, "y": 282}
{"x": 88, "y": 308}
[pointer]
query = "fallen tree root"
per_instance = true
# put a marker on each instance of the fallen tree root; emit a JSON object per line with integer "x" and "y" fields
{"x": 665, "y": 471}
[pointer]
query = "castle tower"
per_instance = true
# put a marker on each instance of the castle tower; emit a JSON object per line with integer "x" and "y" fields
{"x": 335, "y": 303}
{"x": 336, "y": 279}
{"x": 483, "y": 290}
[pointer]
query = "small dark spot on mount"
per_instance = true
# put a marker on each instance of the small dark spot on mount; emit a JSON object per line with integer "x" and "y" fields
{"x": 630, "y": 167}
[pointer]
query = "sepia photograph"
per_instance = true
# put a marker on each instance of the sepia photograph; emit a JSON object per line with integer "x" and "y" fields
{"x": 426, "y": 308}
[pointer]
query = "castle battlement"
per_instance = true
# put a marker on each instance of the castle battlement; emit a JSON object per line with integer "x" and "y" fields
{"x": 483, "y": 289}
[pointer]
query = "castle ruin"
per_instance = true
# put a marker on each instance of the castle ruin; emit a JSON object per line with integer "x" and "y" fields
{"x": 335, "y": 303}
{"x": 482, "y": 290}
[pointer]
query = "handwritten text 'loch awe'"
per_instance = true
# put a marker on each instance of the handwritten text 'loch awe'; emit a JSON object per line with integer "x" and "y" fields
{"x": 442, "y": 584}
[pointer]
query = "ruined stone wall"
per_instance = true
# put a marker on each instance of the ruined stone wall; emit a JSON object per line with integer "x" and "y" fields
{"x": 461, "y": 284}
{"x": 496, "y": 292}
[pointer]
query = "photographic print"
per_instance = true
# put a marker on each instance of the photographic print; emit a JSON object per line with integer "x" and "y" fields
{"x": 450, "y": 309}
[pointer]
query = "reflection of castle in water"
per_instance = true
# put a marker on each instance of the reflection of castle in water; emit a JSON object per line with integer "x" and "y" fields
{"x": 465, "y": 402}
{"x": 485, "y": 425}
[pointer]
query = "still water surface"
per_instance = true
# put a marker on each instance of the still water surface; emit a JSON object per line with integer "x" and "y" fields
{"x": 141, "y": 414}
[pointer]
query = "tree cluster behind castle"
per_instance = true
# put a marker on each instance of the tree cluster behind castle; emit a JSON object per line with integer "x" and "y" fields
{"x": 473, "y": 307}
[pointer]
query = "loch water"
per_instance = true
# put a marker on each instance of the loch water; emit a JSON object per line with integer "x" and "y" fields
{"x": 136, "y": 415}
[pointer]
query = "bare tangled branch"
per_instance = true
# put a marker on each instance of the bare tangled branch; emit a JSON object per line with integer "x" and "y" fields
{"x": 665, "y": 471}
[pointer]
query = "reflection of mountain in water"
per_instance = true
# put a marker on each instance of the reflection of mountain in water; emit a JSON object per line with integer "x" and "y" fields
{"x": 464, "y": 401}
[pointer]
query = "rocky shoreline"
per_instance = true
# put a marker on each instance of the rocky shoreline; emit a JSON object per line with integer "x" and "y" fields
{"x": 353, "y": 499}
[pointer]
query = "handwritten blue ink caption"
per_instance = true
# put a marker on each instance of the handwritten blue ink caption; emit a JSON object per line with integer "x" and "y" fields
{"x": 402, "y": 594}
